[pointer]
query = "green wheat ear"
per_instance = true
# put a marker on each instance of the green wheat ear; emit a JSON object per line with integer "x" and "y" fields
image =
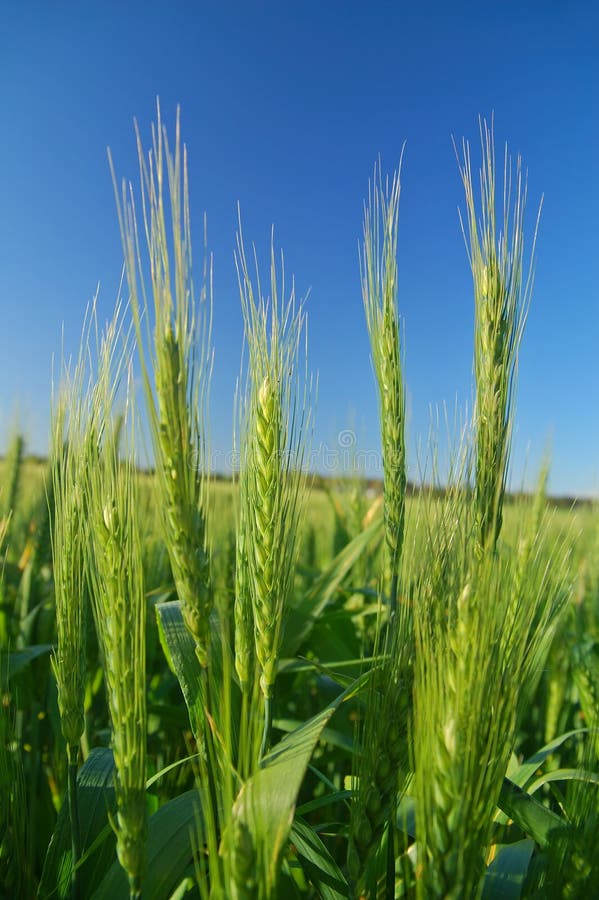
{"x": 115, "y": 571}
{"x": 273, "y": 430}
{"x": 68, "y": 661}
{"x": 502, "y": 293}
{"x": 378, "y": 267}
{"x": 12, "y": 478}
{"x": 69, "y": 462}
{"x": 177, "y": 363}
{"x": 68, "y": 465}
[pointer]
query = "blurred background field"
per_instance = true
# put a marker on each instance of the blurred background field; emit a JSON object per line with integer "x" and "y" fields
{"x": 335, "y": 511}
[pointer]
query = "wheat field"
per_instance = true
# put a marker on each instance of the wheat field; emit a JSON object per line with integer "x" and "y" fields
{"x": 277, "y": 685}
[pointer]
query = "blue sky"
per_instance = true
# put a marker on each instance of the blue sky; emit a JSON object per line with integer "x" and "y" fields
{"x": 285, "y": 108}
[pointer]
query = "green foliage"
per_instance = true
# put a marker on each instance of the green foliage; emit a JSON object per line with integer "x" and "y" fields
{"x": 97, "y": 801}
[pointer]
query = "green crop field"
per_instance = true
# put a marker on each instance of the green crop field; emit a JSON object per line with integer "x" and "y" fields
{"x": 274, "y": 688}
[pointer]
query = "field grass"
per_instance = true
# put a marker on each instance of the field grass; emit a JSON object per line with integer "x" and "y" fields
{"x": 267, "y": 688}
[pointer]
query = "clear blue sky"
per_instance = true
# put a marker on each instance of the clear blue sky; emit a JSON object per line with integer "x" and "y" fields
{"x": 285, "y": 107}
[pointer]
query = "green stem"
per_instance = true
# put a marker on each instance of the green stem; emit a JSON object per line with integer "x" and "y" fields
{"x": 134, "y": 887}
{"x": 73, "y": 757}
{"x": 208, "y": 742}
{"x": 393, "y": 593}
{"x": 390, "y": 873}
{"x": 265, "y": 746}
{"x": 244, "y": 762}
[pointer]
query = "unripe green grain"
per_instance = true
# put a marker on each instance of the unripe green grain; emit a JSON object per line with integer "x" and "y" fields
{"x": 68, "y": 535}
{"x": 266, "y": 529}
{"x": 501, "y": 299}
{"x": 115, "y": 571}
{"x": 180, "y": 363}
{"x": 12, "y": 477}
{"x": 272, "y": 435}
{"x": 244, "y": 617}
{"x": 379, "y": 290}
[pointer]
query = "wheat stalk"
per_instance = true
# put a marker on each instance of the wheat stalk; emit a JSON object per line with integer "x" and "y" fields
{"x": 481, "y": 625}
{"x": 272, "y": 447}
{"x": 378, "y": 269}
{"x": 68, "y": 554}
{"x": 501, "y": 299}
{"x": 118, "y": 600}
{"x": 180, "y": 362}
{"x": 12, "y": 477}
{"x": 383, "y": 764}
{"x": 70, "y": 459}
